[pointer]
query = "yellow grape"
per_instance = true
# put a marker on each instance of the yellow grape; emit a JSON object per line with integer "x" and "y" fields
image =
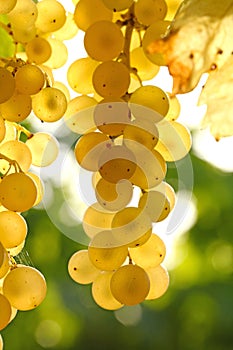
{"x": 18, "y": 151}
{"x": 111, "y": 78}
{"x": 48, "y": 73}
{"x": 101, "y": 292}
{"x": 113, "y": 196}
{"x": 80, "y": 268}
{"x": 149, "y": 102}
{"x": 96, "y": 219}
{"x": 1, "y": 340}
{"x": 10, "y": 131}
{"x": 167, "y": 190}
{"x": 105, "y": 251}
{"x": 17, "y": 108}
{"x": 159, "y": 282}
{"x": 30, "y": 285}
{"x": 62, "y": 87}
{"x": 116, "y": 163}
{"x": 79, "y": 114}
{"x": 88, "y": 12}
{"x": 145, "y": 68}
{"x": 131, "y": 226}
{"x": 39, "y": 187}
{"x": 174, "y": 108}
{"x": 29, "y": 79}
{"x": 51, "y": 16}
{"x": 24, "y": 14}
{"x": 111, "y": 116}
{"x": 154, "y": 32}
{"x": 89, "y": 148}
{"x": 141, "y": 131}
{"x": 155, "y": 204}
{"x": 7, "y": 6}
{"x": 2, "y": 129}
{"x": 15, "y": 251}
{"x": 49, "y": 105}
{"x": 17, "y": 192}
{"x": 103, "y": 41}
{"x": 5, "y": 311}
{"x": 174, "y": 140}
{"x": 68, "y": 30}
{"x": 38, "y": 50}
{"x": 44, "y": 148}
{"x": 150, "y": 254}
{"x": 4, "y": 261}
{"x": 79, "y": 75}
{"x": 13, "y": 229}
{"x": 7, "y": 85}
{"x": 24, "y": 34}
{"x": 150, "y": 11}
{"x": 130, "y": 284}
{"x": 118, "y": 5}
{"x": 59, "y": 53}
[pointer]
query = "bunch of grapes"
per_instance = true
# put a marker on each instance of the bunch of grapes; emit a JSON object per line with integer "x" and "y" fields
{"x": 129, "y": 132}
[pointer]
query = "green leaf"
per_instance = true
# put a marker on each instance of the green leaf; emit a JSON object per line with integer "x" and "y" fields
{"x": 7, "y": 47}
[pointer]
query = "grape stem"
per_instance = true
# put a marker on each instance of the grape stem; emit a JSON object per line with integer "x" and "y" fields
{"x": 20, "y": 128}
{"x": 12, "y": 162}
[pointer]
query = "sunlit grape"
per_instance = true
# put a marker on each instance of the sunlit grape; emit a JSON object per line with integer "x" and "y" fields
{"x": 38, "y": 50}
{"x": 80, "y": 268}
{"x": 51, "y": 15}
{"x": 146, "y": 70}
{"x": 4, "y": 261}
{"x": 1, "y": 340}
{"x": 24, "y": 34}
{"x": 141, "y": 131}
{"x": 156, "y": 205}
{"x": 5, "y": 311}
{"x": 159, "y": 281}
{"x": 15, "y": 251}
{"x": 62, "y": 87}
{"x": 23, "y": 14}
{"x": 7, "y": 6}
{"x": 68, "y": 30}
{"x": 10, "y": 131}
{"x": 39, "y": 187}
{"x": 2, "y": 129}
{"x": 7, "y": 85}
{"x": 29, "y": 79}
{"x": 168, "y": 190}
{"x": 59, "y": 53}
{"x": 150, "y": 11}
{"x": 13, "y": 229}
{"x": 17, "y": 108}
{"x": 174, "y": 108}
{"x": 18, "y": 151}
{"x": 117, "y": 5}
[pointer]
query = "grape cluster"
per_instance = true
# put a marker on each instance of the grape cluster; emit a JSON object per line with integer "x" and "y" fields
{"x": 129, "y": 133}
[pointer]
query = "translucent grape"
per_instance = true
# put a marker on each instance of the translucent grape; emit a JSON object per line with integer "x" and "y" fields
{"x": 80, "y": 268}
{"x": 88, "y": 12}
{"x": 49, "y": 105}
{"x": 145, "y": 68}
{"x": 159, "y": 282}
{"x": 150, "y": 254}
{"x": 62, "y": 87}
{"x": 38, "y": 50}
{"x": 51, "y": 16}
{"x": 7, "y": 6}
{"x": 111, "y": 78}
{"x": 103, "y": 41}
{"x": 2, "y": 129}
{"x": 25, "y": 287}
{"x": 7, "y": 85}
{"x": 4, "y": 261}
{"x": 17, "y": 108}
{"x": 130, "y": 284}
{"x": 174, "y": 108}
{"x": 105, "y": 251}
{"x": 39, "y": 187}
{"x": 29, "y": 79}
{"x": 150, "y": 11}
{"x": 24, "y": 34}
{"x": 141, "y": 131}
{"x": 155, "y": 204}
{"x": 18, "y": 151}
{"x": 68, "y": 30}
{"x": 10, "y": 131}
{"x": 102, "y": 294}
{"x": 118, "y": 5}
{"x": 44, "y": 148}
{"x": 89, "y": 148}
{"x": 168, "y": 190}
{"x": 80, "y": 73}
{"x": 24, "y": 14}
{"x": 17, "y": 192}
{"x": 15, "y": 251}
{"x": 13, "y": 229}
{"x": 59, "y": 53}
{"x": 5, "y": 311}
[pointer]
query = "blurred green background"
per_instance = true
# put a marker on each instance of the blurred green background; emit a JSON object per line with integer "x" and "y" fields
{"x": 196, "y": 313}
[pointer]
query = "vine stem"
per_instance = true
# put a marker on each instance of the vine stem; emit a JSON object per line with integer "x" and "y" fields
{"x": 12, "y": 162}
{"x": 20, "y": 128}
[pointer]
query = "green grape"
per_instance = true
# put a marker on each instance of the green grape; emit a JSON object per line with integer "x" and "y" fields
{"x": 131, "y": 226}
{"x": 62, "y": 87}
{"x": 13, "y": 229}
{"x": 149, "y": 102}
{"x": 174, "y": 108}
{"x": 146, "y": 70}
{"x": 141, "y": 131}
{"x": 39, "y": 187}
{"x": 150, "y": 254}
{"x": 3, "y": 128}
{"x": 29, "y": 79}
{"x": 159, "y": 282}
{"x": 113, "y": 196}
{"x": 18, "y": 151}
{"x": 156, "y": 205}
{"x": 17, "y": 192}
{"x": 4, "y": 261}
{"x": 88, "y": 12}
{"x": 5, "y": 311}
{"x": 24, "y": 14}
{"x": 96, "y": 219}
{"x": 7, "y": 6}
{"x": 101, "y": 292}
{"x": 25, "y": 287}
{"x": 38, "y": 50}
{"x": 174, "y": 141}
{"x": 59, "y": 53}
{"x": 79, "y": 75}
{"x": 130, "y": 284}
{"x": 150, "y": 11}
{"x": 79, "y": 114}
{"x": 154, "y": 32}
{"x": 105, "y": 251}
{"x": 80, "y": 268}
{"x": 51, "y": 15}
{"x": 116, "y": 163}
{"x": 23, "y": 34}
{"x": 7, "y": 85}
{"x": 118, "y": 5}
{"x": 88, "y": 149}
{"x": 49, "y": 105}
{"x": 111, "y": 78}
{"x": 17, "y": 108}
{"x": 44, "y": 148}
{"x": 68, "y": 30}
{"x": 111, "y": 116}
{"x": 103, "y": 41}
